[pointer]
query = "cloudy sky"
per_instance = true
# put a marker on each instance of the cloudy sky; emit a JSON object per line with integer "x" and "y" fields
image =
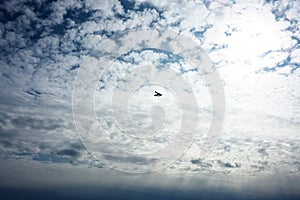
{"x": 78, "y": 118}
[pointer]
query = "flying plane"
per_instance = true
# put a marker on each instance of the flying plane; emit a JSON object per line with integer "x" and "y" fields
{"x": 157, "y": 94}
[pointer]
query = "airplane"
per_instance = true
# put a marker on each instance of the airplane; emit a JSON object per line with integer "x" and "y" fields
{"x": 157, "y": 94}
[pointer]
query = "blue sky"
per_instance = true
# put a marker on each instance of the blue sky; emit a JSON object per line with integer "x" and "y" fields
{"x": 47, "y": 49}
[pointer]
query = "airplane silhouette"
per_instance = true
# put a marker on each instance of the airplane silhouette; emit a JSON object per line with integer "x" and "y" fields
{"x": 157, "y": 94}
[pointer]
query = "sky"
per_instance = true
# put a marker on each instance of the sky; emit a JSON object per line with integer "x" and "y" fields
{"x": 78, "y": 118}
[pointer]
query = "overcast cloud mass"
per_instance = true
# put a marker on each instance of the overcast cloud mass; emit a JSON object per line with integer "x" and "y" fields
{"x": 48, "y": 47}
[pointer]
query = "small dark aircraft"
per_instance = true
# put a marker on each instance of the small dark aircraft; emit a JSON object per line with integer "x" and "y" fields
{"x": 157, "y": 94}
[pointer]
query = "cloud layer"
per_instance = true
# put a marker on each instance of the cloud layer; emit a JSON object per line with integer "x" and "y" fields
{"x": 254, "y": 45}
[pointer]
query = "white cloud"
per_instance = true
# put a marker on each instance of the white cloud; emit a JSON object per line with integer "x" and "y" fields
{"x": 242, "y": 39}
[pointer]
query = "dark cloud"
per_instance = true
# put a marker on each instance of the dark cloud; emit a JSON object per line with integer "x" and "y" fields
{"x": 196, "y": 161}
{"x": 226, "y": 164}
{"x": 263, "y": 151}
{"x": 130, "y": 159}
{"x": 200, "y": 162}
{"x": 68, "y": 152}
{"x": 74, "y": 183}
{"x": 36, "y": 123}
{"x": 261, "y": 166}
{"x": 129, "y": 5}
{"x": 45, "y": 157}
